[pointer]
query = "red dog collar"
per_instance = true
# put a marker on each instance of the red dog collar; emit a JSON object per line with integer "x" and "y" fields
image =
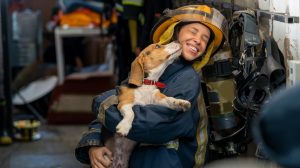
{"x": 156, "y": 83}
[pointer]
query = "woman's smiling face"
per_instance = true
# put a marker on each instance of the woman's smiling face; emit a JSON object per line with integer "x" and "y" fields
{"x": 193, "y": 38}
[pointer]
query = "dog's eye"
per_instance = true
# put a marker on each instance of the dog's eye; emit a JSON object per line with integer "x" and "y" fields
{"x": 157, "y": 46}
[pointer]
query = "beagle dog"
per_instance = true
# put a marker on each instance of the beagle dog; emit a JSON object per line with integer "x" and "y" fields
{"x": 142, "y": 89}
{"x": 146, "y": 69}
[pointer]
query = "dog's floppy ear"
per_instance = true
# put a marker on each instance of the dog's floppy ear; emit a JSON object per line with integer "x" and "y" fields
{"x": 136, "y": 76}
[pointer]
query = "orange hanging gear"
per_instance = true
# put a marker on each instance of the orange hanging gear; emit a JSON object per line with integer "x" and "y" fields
{"x": 80, "y": 18}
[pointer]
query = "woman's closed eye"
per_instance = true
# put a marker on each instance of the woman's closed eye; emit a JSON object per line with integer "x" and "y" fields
{"x": 194, "y": 31}
{"x": 205, "y": 38}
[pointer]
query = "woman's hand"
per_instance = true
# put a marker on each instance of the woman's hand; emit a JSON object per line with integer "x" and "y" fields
{"x": 100, "y": 157}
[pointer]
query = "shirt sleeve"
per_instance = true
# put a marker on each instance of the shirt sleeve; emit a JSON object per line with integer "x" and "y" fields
{"x": 92, "y": 137}
{"x": 158, "y": 124}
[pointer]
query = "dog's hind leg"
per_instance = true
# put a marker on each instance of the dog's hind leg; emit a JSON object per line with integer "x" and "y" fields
{"x": 122, "y": 150}
{"x": 126, "y": 123}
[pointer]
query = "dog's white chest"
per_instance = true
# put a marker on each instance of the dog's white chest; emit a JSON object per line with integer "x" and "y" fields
{"x": 145, "y": 94}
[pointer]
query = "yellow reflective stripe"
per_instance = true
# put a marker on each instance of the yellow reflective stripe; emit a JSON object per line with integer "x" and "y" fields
{"x": 119, "y": 7}
{"x": 133, "y": 2}
{"x": 174, "y": 144}
{"x": 101, "y": 115}
{"x": 201, "y": 135}
{"x": 111, "y": 100}
{"x": 204, "y": 145}
{"x": 92, "y": 130}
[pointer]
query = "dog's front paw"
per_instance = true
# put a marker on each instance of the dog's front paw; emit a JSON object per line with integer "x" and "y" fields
{"x": 123, "y": 127}
{"x": 178, "y": 104}
{"x": 184, "y": 105}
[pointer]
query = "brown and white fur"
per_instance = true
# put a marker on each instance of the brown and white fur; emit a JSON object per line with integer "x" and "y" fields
{"x": 150, "y": 64}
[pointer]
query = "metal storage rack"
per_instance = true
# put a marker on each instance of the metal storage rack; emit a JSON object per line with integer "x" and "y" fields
{"x": 60, "y": 33}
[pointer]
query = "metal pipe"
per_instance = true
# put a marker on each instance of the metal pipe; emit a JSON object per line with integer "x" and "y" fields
{"x": 5, "y": 79}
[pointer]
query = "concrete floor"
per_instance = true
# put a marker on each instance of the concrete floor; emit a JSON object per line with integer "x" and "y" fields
{"x": 55, "y": 149}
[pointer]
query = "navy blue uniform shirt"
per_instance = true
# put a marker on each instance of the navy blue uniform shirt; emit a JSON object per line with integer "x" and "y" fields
{"x": 167, "y": 138}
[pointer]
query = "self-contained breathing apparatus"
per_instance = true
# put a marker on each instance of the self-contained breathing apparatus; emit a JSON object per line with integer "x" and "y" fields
{"x": 239, "y": 79}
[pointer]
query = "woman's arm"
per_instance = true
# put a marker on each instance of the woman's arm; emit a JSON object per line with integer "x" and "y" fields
{"x": 153, "y": 124}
